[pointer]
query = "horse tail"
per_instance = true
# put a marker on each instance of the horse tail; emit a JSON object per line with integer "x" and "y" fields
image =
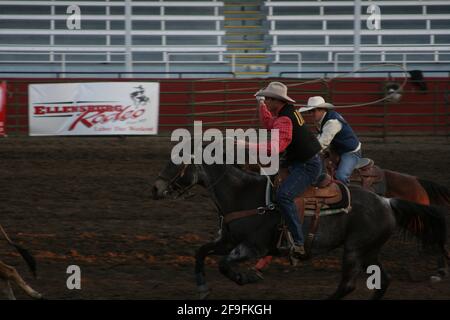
{"x": 438, "y": 194}
{"x": 26, "y": 255}
{"x": 426, "y": 223}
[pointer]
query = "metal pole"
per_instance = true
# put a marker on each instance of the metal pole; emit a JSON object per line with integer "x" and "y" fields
{"x": 63, "y": 65}
{"x": 299, "y": 65}
{"x": 357, "y": 37}
{"x": 233, "y": 63}
{"x": 128, "y": 53}
{"x": 336, "y": 61}
{"x": 166, "y": 58}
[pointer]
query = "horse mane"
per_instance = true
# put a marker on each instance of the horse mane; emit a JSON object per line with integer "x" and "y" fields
{"x": 243, "y": 173}
{"x": 246, "y": 174}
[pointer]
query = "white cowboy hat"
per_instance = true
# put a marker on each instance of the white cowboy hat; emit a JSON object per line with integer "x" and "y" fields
{"x": 275, "y": 90}
{"x": 316, "y": 102}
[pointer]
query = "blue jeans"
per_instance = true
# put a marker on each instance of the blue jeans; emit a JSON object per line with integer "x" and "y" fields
{"x": 346, "y": 166}
{"x": 301, "y": 176}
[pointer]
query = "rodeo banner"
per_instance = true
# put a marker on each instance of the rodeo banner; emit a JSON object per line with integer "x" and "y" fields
{"x": 100, "y": 108}
{"x": 2, "y": 107}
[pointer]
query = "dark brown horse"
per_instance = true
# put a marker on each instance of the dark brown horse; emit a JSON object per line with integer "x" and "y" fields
{"x": 394, "y": 184}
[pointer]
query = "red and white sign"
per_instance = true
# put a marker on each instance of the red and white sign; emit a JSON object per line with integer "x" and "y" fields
{"x": 2, "y": 108}
{"x": 100, "y": 108}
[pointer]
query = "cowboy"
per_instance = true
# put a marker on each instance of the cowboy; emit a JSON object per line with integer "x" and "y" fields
{"x": 301, "y": 147}
{"x": 336, "y": 133}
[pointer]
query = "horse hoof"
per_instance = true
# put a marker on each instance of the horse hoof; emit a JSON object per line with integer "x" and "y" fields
{"x": 443, "y": 272}
{"x": 435, "y": 279}
{"x": 37, "y": 296}
{"x": 204, "y": 295}
{"x": 255, "y": 275}
{"x": 203, "y": 292}
{"x": 294, "y": 261}
{"x": 259, "y": 274}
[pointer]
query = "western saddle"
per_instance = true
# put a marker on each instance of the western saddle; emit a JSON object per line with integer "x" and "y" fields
{"x": 366, "y": 173}
{"x": 326, "y": 197}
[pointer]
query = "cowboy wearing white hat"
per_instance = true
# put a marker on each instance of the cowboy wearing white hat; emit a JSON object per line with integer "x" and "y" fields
{"x": 316, "y": 102}
{"x": 336, "y": 133}
{"x": 302, "y": 147}
{"x": 276, "y": 90}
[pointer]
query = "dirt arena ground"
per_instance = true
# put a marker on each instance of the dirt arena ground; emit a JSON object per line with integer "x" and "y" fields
{"x": 86, "y": 201}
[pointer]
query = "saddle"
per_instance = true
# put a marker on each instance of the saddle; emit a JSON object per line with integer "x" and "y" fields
{"x": 326, "y": 194}
{"x": 366, "y": 173}
{"x": 326, "y": 197}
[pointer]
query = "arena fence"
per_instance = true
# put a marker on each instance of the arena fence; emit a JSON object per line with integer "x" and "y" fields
{"x": 229, "y": 103}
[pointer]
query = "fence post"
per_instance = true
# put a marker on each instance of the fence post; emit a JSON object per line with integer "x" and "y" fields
{"x": 435, "y": 108}
{"x": 447, "y": 114}
{"x": 226, "y": 101}
{"x": 336, "y": 61}
{"x": 63, "y": 65}
{"x": 192, "y": 102}
{"x": 166, "y": 57}
{"x": 233, "y": 63}
{"x": 384, "y": 120}
{"x": 128, "y": 38}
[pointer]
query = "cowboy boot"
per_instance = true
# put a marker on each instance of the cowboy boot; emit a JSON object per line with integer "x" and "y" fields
{"x": 297, "y": 253}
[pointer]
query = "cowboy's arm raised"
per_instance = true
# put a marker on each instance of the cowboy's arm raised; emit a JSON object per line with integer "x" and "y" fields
{"x": 329, "y": 130}
{"x": 284, "y": 127}
{"x": 265, "y": 117}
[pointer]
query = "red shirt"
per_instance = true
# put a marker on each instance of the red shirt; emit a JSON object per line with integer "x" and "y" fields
{"x": 284, "y": 126}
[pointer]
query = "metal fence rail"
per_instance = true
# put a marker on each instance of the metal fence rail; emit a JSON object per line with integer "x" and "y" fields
{"x": 218, "y": 103}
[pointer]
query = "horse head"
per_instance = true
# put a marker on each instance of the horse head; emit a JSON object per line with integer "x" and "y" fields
{"x": 174, "y": 180}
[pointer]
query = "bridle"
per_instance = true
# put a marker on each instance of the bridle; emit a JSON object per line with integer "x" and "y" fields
{"x": 174, "y": 185}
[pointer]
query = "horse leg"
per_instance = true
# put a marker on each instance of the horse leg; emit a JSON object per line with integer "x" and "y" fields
{"x": 351, "y": 268}
{"x": 215, "y": 247}
{"x": 9, "y": 273}
{"x": 442, "y": 271}
{"x": 8, "y": 290}
{"x": 239, "y": 253}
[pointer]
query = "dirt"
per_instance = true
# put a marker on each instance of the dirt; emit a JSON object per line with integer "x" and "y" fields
{"x": 86, "y": 202}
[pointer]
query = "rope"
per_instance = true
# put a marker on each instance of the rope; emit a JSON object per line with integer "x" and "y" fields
{"x": 323, "y": 79}
{"x": 405, "y": 80}
{"x": 219, "y": 111}
{"x": 229, "y": 121}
